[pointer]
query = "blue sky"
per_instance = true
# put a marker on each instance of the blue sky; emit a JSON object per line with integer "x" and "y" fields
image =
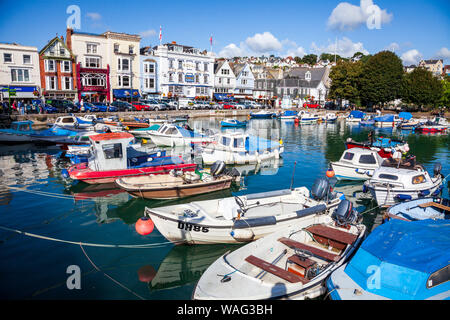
{"x": 413, "y": 29}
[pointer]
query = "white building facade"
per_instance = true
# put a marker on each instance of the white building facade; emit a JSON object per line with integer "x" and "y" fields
{"x": 224, "y": 80}
{"x": 19, "y": 72}
{"x": 181, "y": 71}
{"x": 245, "y": 81}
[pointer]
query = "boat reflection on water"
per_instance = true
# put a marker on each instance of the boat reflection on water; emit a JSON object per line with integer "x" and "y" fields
{"x": 184, "y": 265}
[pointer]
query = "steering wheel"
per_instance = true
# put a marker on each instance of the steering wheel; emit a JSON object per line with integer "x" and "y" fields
{"x": 240, "y": 203}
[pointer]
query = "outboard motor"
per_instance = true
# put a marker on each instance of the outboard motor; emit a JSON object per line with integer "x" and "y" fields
{"x": 344, "y": 214}
{"x": 437, "y": 169}
{"x": 217, "y": 168}
{"x": 320, "y": 189}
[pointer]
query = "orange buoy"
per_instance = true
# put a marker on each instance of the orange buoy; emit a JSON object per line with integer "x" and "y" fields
{"x": 330, "y": 173}
{"x": 146, "y": 273}
{"x": 144, "y": 226}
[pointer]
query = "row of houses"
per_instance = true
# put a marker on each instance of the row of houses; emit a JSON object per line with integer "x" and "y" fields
{"x": 108, "y": 66}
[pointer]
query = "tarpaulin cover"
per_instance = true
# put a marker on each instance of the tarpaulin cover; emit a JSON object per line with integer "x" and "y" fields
{"x": 386, "y": 118}
{"x": 405, "y": 115}
{"x": 398, "y": 257}
{"x": 357, "y": 114}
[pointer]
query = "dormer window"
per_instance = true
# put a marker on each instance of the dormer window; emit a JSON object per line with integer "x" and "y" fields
{"x": 308, "y": 76}
{"x": 131, "y": 50}
{"x": 116, "y": 47}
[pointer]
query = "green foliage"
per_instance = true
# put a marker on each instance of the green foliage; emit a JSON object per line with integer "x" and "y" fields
{"x": 445, "y": 99}
{"x": 345, "y": 78}
{"x": 381, "y": 79}
{"x": 420, "y": 87}
{"x": 310, "y": 59}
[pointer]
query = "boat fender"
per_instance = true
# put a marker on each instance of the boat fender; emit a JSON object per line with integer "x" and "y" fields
{"x": 242, "y": 234}
{"x": 403, "y": 197}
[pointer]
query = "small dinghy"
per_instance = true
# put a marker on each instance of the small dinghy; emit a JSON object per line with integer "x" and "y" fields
{"x": 420, "y": 209}
{"x": 232, "y": 123}
{"x": 262, "y": 115}
{"x": 406, "y": 180}
{"x": 329, "y": 118}
{"x": 291, "y": 263}
{"x": 367, "y": 121}
{"x": 144, "y": 132}
{"x": 399, "y": 260}
{"x": 177, "y": 185}
{"x": 244, "y": 218}
{"x": 357, "y": 164}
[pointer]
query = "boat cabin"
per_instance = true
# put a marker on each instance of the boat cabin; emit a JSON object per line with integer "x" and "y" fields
{"x": 407, "y": 178}
{"x": 240, "y": 142}
{"x": 109, "y": 151}
{"x": 22, "y": 126}
{"x": 66, "y": 121}
{"x": 359, "y": 157}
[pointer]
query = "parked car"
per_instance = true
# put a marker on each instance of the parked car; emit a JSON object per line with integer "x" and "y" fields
{"x": 171, "y": 104}
{"x": 311, "y": 105}
{"x": 229, "y": 105}
{"x": 141, "y": 106}
{"x": 185, "y": 104}
{"x": 102, "y": 107}
{"x": 47, "y": 108}
{"x": 123, "y": 106}
{"x": 253, "y": 105}
{"x": 201, "y": 105}
{"x": 87, "y": 107}
{"x": 63, "y": 106}
{"x": 154, "y": 105}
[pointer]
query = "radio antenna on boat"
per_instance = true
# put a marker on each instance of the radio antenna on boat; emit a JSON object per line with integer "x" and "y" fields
{"x": 293, "y": 172}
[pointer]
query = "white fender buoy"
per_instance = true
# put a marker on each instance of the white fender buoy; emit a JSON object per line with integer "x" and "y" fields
{"x": 242, "y": 234}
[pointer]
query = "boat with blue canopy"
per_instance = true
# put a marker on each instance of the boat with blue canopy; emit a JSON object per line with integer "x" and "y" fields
{"x": 355, "y": 116}
{"x": 173, "y": 135}
{"x": 289, "y": 115}
{"x": 399, "y": 260}
{"x": 388, "y": 120}
{"x": 262, "y": 115}
{"x": 420, "y": 209}
{"x": 19, "y": 131}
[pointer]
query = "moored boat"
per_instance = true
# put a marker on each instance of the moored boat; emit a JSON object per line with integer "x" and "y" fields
{"x": 384, "y": 146}
{"x": 262, "y": 115}
{"x": 110, "y": 161}
{"x": 291, "y": 263}
{"x": 399, "y": 260}
{"x": 173, "y": 135}
{"x": 19, "y": 132}
{"x": 289, "y": 115}
{"x": 356, "y": 164}
{"x": 355, "y": 116}
{"x": 420, "y": 209}
{"x": 232, "y": 123}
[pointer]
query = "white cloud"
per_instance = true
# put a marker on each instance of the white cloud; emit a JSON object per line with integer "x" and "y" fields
{"x": 263, "y": 42}
{"x": 411, "y": 57}
{"x": 394, "y": 46}
{"x": 443, "y": 53}
{"x": 347, "y": 17}
{"x": 147, "y": 33}
{"x": 94, "y": 16}
{"x": 345, "y": 48}
{"x": 232, "y": 50}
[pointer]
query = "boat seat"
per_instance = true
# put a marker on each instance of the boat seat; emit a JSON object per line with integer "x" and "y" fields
{"x": 300, "y": 266}
{"x": 314, "y": 250}
{"x": 434, "y": 204}
{"x": 333, "y": 234}
{"x": 273, "y": 269}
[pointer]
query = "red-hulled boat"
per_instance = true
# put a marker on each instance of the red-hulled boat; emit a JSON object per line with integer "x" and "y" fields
{"x": 110, "y": 162}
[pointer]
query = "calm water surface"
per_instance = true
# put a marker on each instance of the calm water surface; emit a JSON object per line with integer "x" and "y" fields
{"x": 36, "y": 268}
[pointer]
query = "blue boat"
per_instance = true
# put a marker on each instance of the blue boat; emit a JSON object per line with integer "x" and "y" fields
{"x": 262, "y": 115}
{"x": 355, "y": 116}
{"x": 19, "y": 131}
{"x": 55, "y": 134}
{"x": 233, "y": 123}
{"x": 367, "y": 121}
{"x": 399, "y": 260}
{"x": 289, "y": 115}
{"x": 420, "y": 209}
{"x": 388, "y": 120}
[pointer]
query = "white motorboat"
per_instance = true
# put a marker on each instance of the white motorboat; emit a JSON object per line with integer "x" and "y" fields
{"x": 244, "y": 218}
{"x": 389, "y": 120}
{"x": 144, "y": 132}
{"x": 329, "y": 117}
{"x": 393, "y": 182}
{"x": 291, "y": 263}
{"x": 307, "y": 118}
{"x": 74, "y": 123}
{"x": 241, "y": 148}
{"x": 355, "y": 116}
{"x": 357, "y": 164}
{"x": 173, "y": 135}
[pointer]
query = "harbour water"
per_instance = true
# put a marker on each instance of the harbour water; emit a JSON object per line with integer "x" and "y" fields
{"x": 82, "y": 226}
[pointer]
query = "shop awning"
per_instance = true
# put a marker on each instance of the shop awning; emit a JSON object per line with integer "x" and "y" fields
{"x": 126, "y": 93}
{"x": 20, "y": 91}
{"x": 223, "y": 96}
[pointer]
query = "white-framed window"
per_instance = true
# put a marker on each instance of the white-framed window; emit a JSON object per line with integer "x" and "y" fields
{"x": 244, "y": 73}
{"x": 67, "y": 83}
{"x": 92, "y": 62}
{"x": 220, "y": 80}
{"x": 116, "y": 47}
{"x": 244, "y": 81}
{"x": 51, "y": 83}
{"x": 26, "y": 59}
{"x": 93, "y": 80}
{"x": 91, "y": 48}
{"x": 20, "y": 75}
{"x": 170, "y": 63}
{"x": 205, "y": 78}
{"x": 197, "y": 78}
{"x": 50, "y": 65}
{"x": 152, "y": 83}
{"x": 205, "y": 66}
{"x": 7, "y": 57}
{"x": 228, "y": 81}
{"x": 123, "y": 64}
{"x": 225, "y": 71}
{"x": 180, "y": 64}
{"x": 123, "y": 81}
{"x": 62, "y": 51}
{"x": 131, "y": 49}
{"x": 149, "y": 67}
{"x": 308, "y": 75}
{"x": 66, "y": 66}
{"x": 180, "y": 77}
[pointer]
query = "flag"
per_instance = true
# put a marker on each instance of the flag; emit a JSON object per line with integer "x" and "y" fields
{"x": 210, "y": 40}
{"x": 160, "y": 33}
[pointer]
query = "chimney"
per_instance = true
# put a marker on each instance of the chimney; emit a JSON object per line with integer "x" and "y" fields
{"x": 69, "y": 38}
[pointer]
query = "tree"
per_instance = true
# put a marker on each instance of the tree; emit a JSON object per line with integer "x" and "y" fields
{"x": 421, "y": 88}
{"x": 345, "y": 78}
{"x": 298, "y": 60}
{"x": 445, "y": 99}
{"x": 381, "y": 79}
{"x": 310, "y": 59}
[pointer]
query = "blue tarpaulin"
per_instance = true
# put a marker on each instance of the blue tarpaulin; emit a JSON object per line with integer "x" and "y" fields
{"x": 357, "y": 114}
{"x": 385, "y": 118}
{"x": 398, "y": 257}
{"x": 405, "y": 115}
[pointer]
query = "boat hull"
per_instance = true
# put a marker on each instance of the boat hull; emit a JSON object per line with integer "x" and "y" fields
{"x": 239, "y": 157}
{"x": 14, "y": 138}
{"x": 346, "y": 172}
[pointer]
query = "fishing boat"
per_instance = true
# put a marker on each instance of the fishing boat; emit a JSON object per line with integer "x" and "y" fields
{"x": 289, "y": 115}
{"x": 384, "y": 146}
{"x": 388, "y": 120}
{"x": 55, "y": 135}
{"x": 398, "y": 181}
{"x": 19, "y": 132}
{"x": 399, "y": 260}
{"x": 173, "y": 135}
{"x": 329, "y": 118}
{"x": 111, "y": 160}
{"x": 436, "y": 125}
{"x": 244, "y": 218}
{"x": 262, "y": 115}
{"x": 355, "y": 116}
{"x": 240, "y": 148}
{"x": 291, "y": 263}
{"x": 177, "y": 185}
{"x": 420, "y": 209}
{"x": 232, "y": 123}
{"x": 356, "y": 164}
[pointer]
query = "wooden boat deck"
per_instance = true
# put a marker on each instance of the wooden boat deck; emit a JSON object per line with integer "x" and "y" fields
{"x": 314, "y": 250}
{"x": 273, "y": 269}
